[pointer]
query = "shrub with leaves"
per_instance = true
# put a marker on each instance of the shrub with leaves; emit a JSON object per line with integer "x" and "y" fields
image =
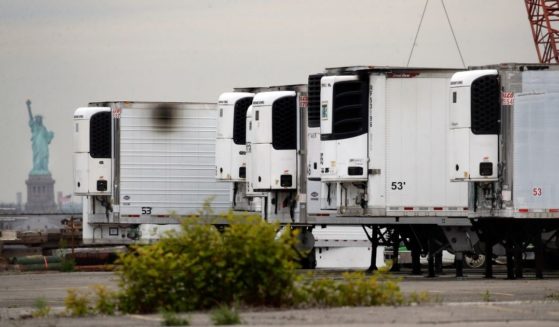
{"x": 200, "y": 268}
{"x": 355, "y": 289}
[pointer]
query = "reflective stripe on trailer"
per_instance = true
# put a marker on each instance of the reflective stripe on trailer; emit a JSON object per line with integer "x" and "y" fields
{"x": 427, "y": 209}
{"x": 524, "y": 210}
{"x": 138, "y": 216}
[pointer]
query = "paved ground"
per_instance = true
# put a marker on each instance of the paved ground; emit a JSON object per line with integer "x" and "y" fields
{"x": 472, "y": 301}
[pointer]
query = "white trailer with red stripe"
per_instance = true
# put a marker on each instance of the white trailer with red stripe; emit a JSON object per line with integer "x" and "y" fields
{"x": 504, "y": 139}
{"x": 383, "y": 158}
{"x": 436, "y": 158}
{"x": 143, "y": 166}
{"x": 369, "y": 150}
{"x": 384, "y": 143}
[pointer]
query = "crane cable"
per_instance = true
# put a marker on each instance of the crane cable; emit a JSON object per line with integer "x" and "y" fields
{"x": 451, "y": 30}
{"x": 417, "y": 32}
{"x": 453, "y": 35}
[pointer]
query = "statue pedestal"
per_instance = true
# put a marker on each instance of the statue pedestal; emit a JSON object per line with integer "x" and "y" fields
{"x": 40, "y": 194}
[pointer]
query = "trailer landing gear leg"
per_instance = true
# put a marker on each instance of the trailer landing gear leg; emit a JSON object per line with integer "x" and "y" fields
{"x": 439, "y": 262}
{"x": 510, "y": 261}
{"x": 488, "y": 259}
{"x": 459, "y": 263}
{"x": 430, "y": 260}
{"x": 374, "y": 246}
{"x": 539, "y": 256}
{"x": 518, "y": 264}
{"x": 415, "y": 261}
{"x": 395, "y": 252}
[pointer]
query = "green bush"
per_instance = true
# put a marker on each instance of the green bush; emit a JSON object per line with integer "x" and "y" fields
{"x": 247, "y": 263}
{"x": 355, "y": 289}
{"x": 200, "y": 268}
{"x": 224, "y": 315}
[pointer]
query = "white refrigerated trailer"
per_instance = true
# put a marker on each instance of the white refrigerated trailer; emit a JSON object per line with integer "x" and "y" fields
{"x": 143, "y": 166}
{"x": 384, "y": 144}
{"x": 436, "y": 158}
{"x": 367, "y": 146}
{"x": 504, "y": 139}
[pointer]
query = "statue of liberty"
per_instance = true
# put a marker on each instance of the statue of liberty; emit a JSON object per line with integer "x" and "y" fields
{"x": 40, "y": 140}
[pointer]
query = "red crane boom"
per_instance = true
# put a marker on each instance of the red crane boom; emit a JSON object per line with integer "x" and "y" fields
{"x": 544, "y": 18}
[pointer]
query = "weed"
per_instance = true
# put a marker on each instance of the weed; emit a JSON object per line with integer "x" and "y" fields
{"x": 419, "y": 298}
{"x": 554, "y": 296}
{"x": 356, "y": 289}
{"x": 42, "y": 309}
{"x": 223, "y": 315}
{"x": 172, "y": 319}
{"x": 67, "y": 264}
{"x": 105, "y": 302}
{"x": 487, "y": 297}
{"x": 77, "y": 304}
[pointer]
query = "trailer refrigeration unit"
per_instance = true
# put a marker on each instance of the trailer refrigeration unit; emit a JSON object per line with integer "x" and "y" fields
{"x": 231, "y": 144}
{"x": 142, "y": 166}
{"x": 504, "y": 144}
{"x": 273, "y": 165}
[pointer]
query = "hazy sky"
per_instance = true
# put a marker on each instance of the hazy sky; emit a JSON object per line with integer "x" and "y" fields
{"x": 64, "y": 54}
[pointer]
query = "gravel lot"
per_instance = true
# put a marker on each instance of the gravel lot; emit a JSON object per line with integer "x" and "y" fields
{"x": 527, "y": 302}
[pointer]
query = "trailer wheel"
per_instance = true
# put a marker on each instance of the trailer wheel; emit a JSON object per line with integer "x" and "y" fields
{"x": 474, "y": 260}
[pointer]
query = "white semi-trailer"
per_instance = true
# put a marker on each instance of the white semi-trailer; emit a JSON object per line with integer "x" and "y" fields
{"x": 384, "y": 143}
{"x": 143, "y": 166}
{"x": 361, "y": 146}
{"x": 434, "y": 158}
{"x": 503, "y": 135}
{"x": 379, "y": 144}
